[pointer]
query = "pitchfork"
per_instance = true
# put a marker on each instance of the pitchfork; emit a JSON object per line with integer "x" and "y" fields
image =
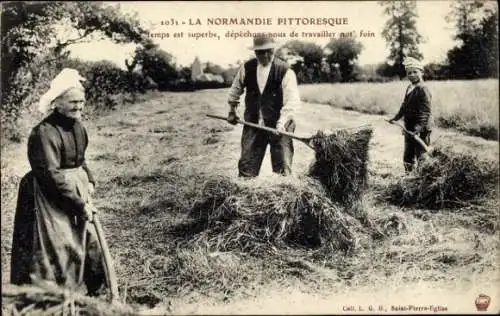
{"x": 306, "y": 140}
{"x": 415, "y": 136}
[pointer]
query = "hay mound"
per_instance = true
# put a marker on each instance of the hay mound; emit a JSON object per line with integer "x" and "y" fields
{"x": 445, "y": 180}
{"x": 259, "y": 220}
{"x": 46, "y": 298}
{"x": 342, "y": 164}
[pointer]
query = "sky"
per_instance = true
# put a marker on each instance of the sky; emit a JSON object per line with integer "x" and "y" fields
{"x": 357, "y": 16}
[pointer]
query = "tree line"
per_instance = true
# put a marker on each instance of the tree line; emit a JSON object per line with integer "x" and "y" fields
{"x": 33, "y": 51}
{"x": 474, "y": 56}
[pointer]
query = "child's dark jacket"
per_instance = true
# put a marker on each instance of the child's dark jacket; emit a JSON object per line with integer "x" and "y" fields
{"x": 416, "y": 108}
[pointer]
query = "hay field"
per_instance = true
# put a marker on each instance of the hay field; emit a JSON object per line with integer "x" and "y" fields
{"x": 154, "y": 162}
{"x": 468, "y": 106}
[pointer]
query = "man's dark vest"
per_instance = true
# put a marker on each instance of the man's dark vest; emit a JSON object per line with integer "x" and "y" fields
{"x": 270, "y": 101}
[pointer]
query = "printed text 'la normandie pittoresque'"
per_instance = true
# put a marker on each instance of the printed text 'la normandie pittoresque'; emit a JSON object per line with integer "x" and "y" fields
{"x": 284, "y": 21}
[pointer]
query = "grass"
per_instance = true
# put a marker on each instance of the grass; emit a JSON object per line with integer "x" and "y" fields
{"x": 468, "y": 106}
{"x": 150, "y": 189}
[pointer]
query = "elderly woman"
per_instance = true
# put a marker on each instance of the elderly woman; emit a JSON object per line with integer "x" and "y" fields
{"x": 52, "y": 240}
{"x": 417, "y": 114}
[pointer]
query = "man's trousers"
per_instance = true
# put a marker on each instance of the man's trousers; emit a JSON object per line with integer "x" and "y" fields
{"x": 253, "y": 149}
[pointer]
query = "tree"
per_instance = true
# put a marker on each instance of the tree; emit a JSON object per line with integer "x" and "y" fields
{"x": 213, "y": 69}
{"x": 489, "y": 36}
{"x": 344, "y": 52}
{"x": 229, "y": 74}
{"x": 400, "y": 32}
{"x": 305, "y": 59}
{"x": 157, "y": 64}
{"x": 464, "y": 13}
{"x": 36, "y": 37}
{"x": 185, "y": 73}
{"x": 385, "y": 70}
{"x": 435, "y": 71}
{"x": 476, "y": 54}
{"x": 310, "y": 52}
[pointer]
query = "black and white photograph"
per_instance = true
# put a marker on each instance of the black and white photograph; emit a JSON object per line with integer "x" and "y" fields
{"x": 249, "y": 157}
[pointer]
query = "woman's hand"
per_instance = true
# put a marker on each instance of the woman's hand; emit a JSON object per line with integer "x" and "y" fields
{"x": 91, "y": 188}
{"x": 88, "y": 212}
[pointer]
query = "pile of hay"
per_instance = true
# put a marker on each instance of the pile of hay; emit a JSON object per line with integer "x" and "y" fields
{"x": 318, "y": 211}
{"x": 46, "y": 298}
{"x": 262, "y": 219}
{"x": 342, "y": 164}
{"x": 445, "y": 180}
{"x": 230, "y": 233}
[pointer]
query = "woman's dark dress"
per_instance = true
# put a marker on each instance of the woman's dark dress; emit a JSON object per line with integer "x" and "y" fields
{"x": 48, "y": 240}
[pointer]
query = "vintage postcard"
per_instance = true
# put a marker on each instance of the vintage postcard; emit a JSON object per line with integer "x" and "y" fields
{"x": 250, "y": 157}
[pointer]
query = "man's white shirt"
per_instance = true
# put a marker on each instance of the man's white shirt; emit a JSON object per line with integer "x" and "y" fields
{"x": 291, "y": 96}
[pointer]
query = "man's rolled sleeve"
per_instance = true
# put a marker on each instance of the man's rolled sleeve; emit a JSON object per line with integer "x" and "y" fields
{"x": 236, "y": 89}
{"x": 291, "y": 98}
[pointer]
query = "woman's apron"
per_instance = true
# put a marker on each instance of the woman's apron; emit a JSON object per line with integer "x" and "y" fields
{"x": 59, "y": 238}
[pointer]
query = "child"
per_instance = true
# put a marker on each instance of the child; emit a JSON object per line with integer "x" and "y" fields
{"x": 416, "y": 111}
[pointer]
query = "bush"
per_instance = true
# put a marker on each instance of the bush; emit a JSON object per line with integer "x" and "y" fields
{"x": 104, "y": 81}
{"x": 27, "y": 86}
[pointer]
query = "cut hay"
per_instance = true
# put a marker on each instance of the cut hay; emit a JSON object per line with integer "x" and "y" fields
{"x": 342, "y": 164}
{"x": 260, "y": 220}
{"x": 253, "y": 220}
{"x": 318, "y": 211}
{"x": 446, "y": 180}
{"x": 247, "y": 233}
{"x": 46, "y": 298}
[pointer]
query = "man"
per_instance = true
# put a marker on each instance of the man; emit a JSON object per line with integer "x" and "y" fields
{"x": 271, "y": 98}
{"x": 417, "y": 114}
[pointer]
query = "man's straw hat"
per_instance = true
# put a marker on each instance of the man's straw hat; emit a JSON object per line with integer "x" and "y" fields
{"x": 261, "y": 42}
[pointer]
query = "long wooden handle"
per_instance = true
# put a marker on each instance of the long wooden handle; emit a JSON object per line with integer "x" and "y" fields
{"x": 108, "y": 263}
{"x": 415, "y": 136}
{"x": 264, "y": 128}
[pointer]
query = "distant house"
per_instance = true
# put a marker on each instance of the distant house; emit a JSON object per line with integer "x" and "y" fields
{"x": 210, "y": 77}
{"x": 197, "y": 73}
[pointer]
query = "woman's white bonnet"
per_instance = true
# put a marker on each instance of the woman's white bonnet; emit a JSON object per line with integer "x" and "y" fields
{"x": 68, "y": 78}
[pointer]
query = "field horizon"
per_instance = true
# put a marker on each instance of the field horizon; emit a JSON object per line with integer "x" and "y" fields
{"x": 468, "y": 106}
{"x": 152, "y": 159}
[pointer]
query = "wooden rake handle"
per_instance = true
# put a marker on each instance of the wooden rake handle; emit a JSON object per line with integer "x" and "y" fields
{"x": 108, "y": 262}
{"x": 412, "y": 134}
{"x": 305, "y": 140}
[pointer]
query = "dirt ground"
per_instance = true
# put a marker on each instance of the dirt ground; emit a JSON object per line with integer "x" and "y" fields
{"x": 170, "y": 130}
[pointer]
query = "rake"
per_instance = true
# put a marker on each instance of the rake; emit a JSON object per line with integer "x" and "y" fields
{"x": 308, "y": 141}
{"x": 415, "y": 137}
